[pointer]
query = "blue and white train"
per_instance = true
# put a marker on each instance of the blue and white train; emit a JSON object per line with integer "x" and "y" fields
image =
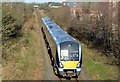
{"x": 68, "y": 58}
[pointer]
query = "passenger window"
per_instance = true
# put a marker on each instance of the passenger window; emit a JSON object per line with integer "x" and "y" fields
{"x": 50, "y": 27}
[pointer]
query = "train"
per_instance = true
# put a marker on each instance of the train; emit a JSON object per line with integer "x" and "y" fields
{"x": 67, "y": 55}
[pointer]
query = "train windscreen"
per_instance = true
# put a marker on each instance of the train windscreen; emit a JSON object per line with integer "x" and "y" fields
{"x": 69, "y": 51}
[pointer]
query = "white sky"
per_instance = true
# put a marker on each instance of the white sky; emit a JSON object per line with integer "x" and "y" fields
{"x": 42, "y": 1}
{"x": 30, "y": 1}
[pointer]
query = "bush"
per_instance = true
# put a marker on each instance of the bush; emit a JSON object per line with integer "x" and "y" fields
{"x": 9, "y": 27}
{"x": 62, "y": 16}
{"x": 13, "y": 17}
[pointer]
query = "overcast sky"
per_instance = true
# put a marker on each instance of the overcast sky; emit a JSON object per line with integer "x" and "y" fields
{"x": 42, "y": 1}
{"x": 30, "y": 1}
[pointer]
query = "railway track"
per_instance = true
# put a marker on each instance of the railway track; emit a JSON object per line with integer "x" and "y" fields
{"x": 48, "y": 48}
{"x": 48, "y": 74}
{"x": 68, "y": 79}
{"x": 46, "y": 44}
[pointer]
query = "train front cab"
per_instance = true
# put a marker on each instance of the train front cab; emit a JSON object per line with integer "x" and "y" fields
{"x": 70, "y": 59}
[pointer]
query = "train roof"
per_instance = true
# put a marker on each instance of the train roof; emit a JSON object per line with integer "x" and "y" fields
{"x": 58, "y": 34}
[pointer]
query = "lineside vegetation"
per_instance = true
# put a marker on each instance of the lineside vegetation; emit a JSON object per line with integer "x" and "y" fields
{"x": 14, "y": 15}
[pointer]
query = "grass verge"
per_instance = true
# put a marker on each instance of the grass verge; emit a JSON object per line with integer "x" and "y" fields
{"x": 96, "y": 65}
{"x": 24, "y": 57}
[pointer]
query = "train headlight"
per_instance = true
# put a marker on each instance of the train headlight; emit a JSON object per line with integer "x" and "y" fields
{"x": 78, "y": 65}
{"x": 61, "y": 65}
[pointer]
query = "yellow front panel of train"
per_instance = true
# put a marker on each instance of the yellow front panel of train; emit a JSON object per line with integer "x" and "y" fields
{"x": 69, "y": 64}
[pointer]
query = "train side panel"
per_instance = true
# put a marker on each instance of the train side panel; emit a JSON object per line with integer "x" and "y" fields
{"x": 51, "y": 42}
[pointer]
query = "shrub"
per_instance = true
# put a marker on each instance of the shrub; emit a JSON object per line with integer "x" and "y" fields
{"x": 9, "y": 27}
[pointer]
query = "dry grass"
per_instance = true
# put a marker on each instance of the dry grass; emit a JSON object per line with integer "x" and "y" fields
{"x": 26, "y": 62}
{"x": 95, "y": 64}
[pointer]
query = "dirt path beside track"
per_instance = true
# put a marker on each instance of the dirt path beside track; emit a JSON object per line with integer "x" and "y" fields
{"x": 48, "y": 74}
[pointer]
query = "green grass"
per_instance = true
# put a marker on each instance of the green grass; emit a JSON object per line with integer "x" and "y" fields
{"x": 16, "y": 49}
{"x": 20, "y": 60}
{"x": 27, "y": 62}
{"x": 94, "y": 63}
{"x": 28, "y": 37}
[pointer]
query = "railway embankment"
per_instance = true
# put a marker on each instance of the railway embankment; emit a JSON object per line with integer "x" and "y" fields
{"x": 25, "y": 60}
